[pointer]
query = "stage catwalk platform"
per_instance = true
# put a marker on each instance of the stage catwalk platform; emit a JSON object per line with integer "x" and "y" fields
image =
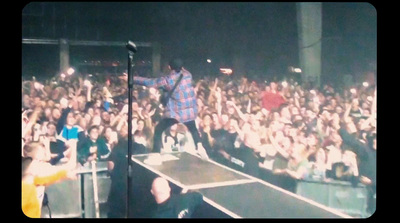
{"x": 227, "y": 193}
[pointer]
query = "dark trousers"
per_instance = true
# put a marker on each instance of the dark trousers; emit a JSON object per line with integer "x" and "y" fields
{"x": 165, "y": 124}
{"x": 371, "y": 201}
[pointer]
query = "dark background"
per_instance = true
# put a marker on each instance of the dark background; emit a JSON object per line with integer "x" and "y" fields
{"x": 260, "y": 37}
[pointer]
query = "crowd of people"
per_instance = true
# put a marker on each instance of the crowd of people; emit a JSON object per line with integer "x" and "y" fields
{"x": 279, "y": 131}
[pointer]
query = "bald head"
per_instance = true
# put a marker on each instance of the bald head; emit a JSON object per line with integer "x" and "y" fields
{"x": 160, "y": 189}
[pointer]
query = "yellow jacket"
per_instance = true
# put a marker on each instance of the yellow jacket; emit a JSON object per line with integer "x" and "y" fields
{"x": 30, "y": 202}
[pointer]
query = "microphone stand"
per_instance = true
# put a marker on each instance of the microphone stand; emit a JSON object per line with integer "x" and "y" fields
{"x": 131, "y": 51}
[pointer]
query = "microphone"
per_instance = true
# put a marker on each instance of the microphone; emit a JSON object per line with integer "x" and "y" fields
{"x": 131, "y": 46}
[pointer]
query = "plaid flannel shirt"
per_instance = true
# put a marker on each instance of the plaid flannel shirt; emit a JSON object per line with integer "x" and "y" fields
{"x": 182, "y": 104}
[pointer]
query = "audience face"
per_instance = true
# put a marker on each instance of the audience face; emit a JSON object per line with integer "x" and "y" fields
{"x": 90, "y": 111}
{"x": 338, "y": 110}
{"x": 215, "y": 118}
{"x": 107, "y": 133}
{"x": 273, "y": 86}
{"x": 354, "y": 104}
{"x": 135, "y": 106}
{"x": 224, "y": 119}
{"x": 87, "y": 117}
{"x": 140, "y": 125}
{"x": 51, "y": 129}
{"x": 96, "y": 120}
{"x": 105, "y": 116}
{"x": 97, "y": 111}
{"x": 230, "y": 110}
{"x": 56, "y": 113}
{"x": 336, "y": 139}
{"x": 71, "y": 119}
{"x": 124, "y": 131}
{"x": 94, "y": 134}
{"x": 294, "y": 110}
{"x": 276, "y": 116}
{"x": 312, "y": 140}
{"x": 207, "y": 120}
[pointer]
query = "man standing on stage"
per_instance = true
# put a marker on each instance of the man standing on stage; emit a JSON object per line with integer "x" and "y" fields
{"x": 181, "y": 106}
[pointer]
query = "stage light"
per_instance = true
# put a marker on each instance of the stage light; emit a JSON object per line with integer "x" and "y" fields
{"x": 70, "y": 71}
{"x": 208, "y": 60}
{"x": 297, "y": 70}
{"x": 294, "y": 69}
{"x": 226, "y": 71}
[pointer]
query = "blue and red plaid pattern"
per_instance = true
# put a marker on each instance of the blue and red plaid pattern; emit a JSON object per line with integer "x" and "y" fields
{"x": 182, "y": 105}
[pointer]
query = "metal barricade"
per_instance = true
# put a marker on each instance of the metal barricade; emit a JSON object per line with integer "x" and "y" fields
{"x": 339, "y": 195}
{"x": 64, "y": 200}
{"x": 75, "y": 198}
{"x": 103, "y": 184}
